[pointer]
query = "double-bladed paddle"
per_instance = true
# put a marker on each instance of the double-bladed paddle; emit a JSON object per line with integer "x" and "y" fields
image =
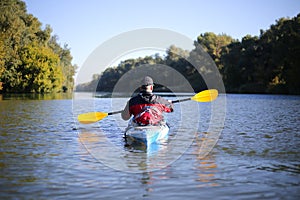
{"x": 92, "y": 117}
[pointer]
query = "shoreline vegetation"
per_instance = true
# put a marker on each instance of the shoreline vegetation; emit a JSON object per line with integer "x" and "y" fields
{"x": 32, "y": 60}
{"x": 265, "y": 64}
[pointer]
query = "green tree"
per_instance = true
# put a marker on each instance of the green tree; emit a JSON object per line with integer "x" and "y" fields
{"x": 244, "y": 69}
{"x": 31, "y": 59}
{"x": 281, "y": 43}
{"x": 2, "y": 67}
{"x": 68, "y": 70}
{"x": 40, "y": 71}
{"x": 214, "y": 45}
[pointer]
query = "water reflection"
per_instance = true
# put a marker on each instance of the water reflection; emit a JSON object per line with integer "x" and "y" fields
{"x": 34, "y": 96}
{"x": 150, "y": 150}
{"x": 134, "y": 158}
{"x": 147, "y": 182}
{"x": 207, "y": 170}
{"x": 33, "y": 137}
{"x": 292, "y": 168}
{"x": 207, "y": 167}
{"x": 88, "y": 137}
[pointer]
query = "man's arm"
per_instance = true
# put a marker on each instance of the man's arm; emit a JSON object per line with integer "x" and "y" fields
{"x": 167, "y": 105}
{"x": 125, "y": 113}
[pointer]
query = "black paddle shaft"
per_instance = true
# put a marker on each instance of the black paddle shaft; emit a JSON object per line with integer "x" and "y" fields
{"x": 116, "y": 112}
{"x": 181, "y": 100}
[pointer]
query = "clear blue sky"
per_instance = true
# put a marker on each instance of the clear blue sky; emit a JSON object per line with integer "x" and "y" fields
{"x": 85, "y": 24}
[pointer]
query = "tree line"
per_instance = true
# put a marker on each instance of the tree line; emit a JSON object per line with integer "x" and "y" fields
{"x": 268, "y": 63}
{"x": 31, "y": 59}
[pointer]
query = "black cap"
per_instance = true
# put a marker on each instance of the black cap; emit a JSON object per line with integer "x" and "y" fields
{"x": 147, "y": 81}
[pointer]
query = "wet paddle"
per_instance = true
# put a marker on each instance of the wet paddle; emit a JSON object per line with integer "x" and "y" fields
{"x": 92, "y": 117}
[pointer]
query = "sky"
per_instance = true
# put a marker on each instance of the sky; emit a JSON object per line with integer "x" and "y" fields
{"x": 85, "y": 24}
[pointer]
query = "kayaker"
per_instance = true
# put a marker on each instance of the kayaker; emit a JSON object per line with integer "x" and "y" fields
{"x": 146, "y": 107}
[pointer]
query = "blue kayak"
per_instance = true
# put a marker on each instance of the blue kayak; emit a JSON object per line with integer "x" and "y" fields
{"x": 148, "y": 135}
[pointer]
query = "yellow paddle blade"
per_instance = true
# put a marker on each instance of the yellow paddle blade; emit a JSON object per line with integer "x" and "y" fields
{"x": 92, "y": 117}
{"x": 206, "y": 96}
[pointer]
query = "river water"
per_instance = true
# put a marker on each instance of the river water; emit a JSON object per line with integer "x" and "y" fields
{"x": 46, "y": 154}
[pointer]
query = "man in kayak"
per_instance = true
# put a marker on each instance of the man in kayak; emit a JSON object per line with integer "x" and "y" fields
{"x": 146, "y": 108}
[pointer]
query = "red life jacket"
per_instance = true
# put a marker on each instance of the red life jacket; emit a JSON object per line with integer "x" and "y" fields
{"x": 148, "y": 108}
{"x": 149, "y": 115}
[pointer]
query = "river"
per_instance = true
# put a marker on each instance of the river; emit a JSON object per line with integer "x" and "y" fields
{"x": 46, "y": 154}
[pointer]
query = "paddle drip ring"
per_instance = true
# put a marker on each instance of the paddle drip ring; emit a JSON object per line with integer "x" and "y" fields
{"x": 189, "y": 118}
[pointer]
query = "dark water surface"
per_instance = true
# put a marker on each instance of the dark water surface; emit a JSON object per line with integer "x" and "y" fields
{"x": 46, "y": 154}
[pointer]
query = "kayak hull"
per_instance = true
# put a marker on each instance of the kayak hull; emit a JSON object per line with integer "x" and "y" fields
{"x": 146, "y": 134}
